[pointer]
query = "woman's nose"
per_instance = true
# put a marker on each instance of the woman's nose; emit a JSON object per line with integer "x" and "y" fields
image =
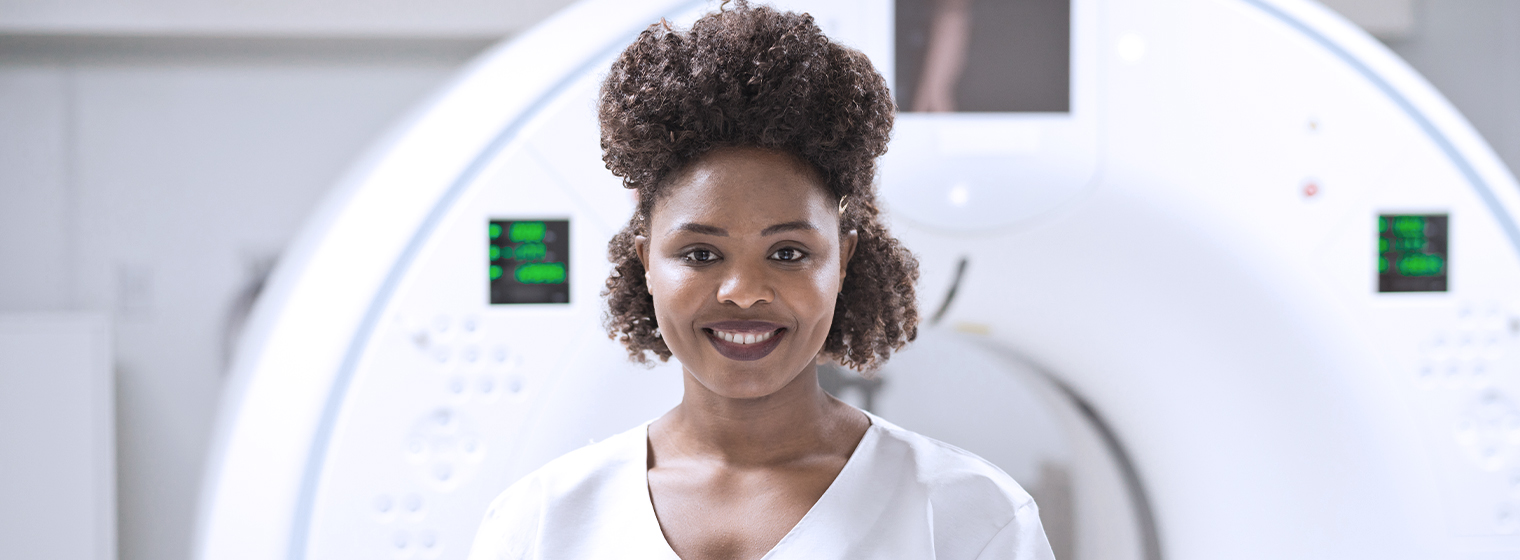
{"x": 746, "y": 286}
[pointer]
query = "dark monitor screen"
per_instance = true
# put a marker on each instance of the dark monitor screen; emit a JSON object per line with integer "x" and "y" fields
{"x": 529, "y": 261}
{"x": 1412, "y": 253}
{"x": 983, "y": 56}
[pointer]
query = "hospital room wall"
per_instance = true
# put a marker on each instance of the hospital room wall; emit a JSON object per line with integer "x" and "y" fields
{"x": 157, "y": 155}
{"x": 1470, "y": 50}
{"x": 158, "y": 192}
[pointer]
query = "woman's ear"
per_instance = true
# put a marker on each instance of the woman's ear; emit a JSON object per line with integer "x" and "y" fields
{"x": 846, "y": 252}
{"x": 641, "y": 247}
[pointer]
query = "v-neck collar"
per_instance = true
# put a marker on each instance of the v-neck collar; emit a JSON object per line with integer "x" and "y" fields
{"x": 840, "y": 489}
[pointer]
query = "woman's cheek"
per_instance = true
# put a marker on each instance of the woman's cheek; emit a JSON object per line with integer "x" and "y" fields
{"x": 664, "y": 276}
{"x": 673, "y": 289}
{"x": 827, "y": 283}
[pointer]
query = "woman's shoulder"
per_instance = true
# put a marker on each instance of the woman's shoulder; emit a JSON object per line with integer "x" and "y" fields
{"x": 574, "y": 482}
{"x": 592, "y": 465}
{"x": 951, "y": 475}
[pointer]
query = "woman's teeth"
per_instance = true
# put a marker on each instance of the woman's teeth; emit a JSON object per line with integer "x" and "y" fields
{"x": 742, "y": 338}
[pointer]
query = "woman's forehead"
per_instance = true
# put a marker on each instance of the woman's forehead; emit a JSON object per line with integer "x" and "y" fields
{"x": 745, "y": 189}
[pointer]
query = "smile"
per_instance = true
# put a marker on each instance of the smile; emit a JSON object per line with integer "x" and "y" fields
{"x": 745, "y": 341}
{"x": 744, "y": 338}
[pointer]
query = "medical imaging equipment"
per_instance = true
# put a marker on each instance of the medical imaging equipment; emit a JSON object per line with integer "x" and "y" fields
{"x": 1245, "y": 286}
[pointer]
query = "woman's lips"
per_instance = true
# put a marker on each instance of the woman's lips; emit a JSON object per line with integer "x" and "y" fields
{"x": 744, "y": 341}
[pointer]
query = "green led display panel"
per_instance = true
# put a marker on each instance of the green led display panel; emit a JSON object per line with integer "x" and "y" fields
{"x": 529, "y": 261}
{"x": 1412, "y": 253}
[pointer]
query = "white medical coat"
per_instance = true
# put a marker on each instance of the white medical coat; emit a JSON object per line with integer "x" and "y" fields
{"x": 900, "y": 495}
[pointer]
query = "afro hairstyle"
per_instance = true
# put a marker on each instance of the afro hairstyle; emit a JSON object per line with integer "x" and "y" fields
{"x": 753, "y": 76}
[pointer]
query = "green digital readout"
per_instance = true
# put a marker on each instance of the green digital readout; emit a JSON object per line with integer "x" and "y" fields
{"x": 1412, "y": 253}
{"x": 529, "y": 261}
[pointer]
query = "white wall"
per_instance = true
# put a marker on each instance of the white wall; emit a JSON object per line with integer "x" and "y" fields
{"x": 56, "y": 427}
{"x": 408, "y": 18}
{"x": 154, "y": 152}
{"x": 150, "y": 187}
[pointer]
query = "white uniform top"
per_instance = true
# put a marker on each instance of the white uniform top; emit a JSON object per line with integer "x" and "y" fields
{"x": 900, "y": 495}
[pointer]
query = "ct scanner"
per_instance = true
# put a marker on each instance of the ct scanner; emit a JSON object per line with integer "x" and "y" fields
{"x": 1250, "y": 293}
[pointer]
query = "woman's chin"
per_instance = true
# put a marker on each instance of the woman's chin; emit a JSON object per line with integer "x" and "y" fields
{"x": 744, "y": 383}
{"x": 745, "y": 389}
{"x": 746, "y": 379}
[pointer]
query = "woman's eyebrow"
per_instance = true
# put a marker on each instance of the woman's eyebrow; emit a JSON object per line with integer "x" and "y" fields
{"x": 701, "y": 228}
{"x": 799, "y": 225}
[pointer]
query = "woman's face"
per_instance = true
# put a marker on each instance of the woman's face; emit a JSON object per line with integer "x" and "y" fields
{"x": 744, "y": 260}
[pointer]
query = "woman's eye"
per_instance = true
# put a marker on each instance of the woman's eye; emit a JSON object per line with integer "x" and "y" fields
{"x": 787, "y": 255}
{"x": 700, "y": 255}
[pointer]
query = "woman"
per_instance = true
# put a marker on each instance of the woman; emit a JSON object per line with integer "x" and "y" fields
{"x": 756, "y": 250}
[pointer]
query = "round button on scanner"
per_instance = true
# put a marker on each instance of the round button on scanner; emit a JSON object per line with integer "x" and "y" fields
{"x": 1491, "y": 404}
{"x": 1453, "y": 368}
{"x": 416, "y": 448}
{"x": 444, "y": 418}
{"x": 1425, "y": 374}
{"x": 1466, "y": 429}
{"x": 384, "y": 504}
{"x": 1479, "y": 369}
{"x": 400, "y": 540}
{"x": 1489, "y": 452}
{"x": 1508, "y": 519}
{"x": 412, "y": 503}
{"x": 1438, "y": 348}
{"x": 427, "y": 541}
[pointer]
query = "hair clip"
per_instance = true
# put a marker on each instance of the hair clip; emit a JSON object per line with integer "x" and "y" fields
{"x": 843, "y": 204}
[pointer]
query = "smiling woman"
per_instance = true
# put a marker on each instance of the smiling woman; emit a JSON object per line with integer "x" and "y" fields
{"x": 756, "y": 251}
{"x": 763, "y": 79}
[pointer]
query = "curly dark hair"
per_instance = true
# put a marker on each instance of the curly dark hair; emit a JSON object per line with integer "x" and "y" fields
{"x": 753, "y": 76}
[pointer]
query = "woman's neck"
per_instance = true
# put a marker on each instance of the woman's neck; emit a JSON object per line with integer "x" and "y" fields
{"x": 795, "y": 423}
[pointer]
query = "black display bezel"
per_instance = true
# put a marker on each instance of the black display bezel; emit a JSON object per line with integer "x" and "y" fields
{"x": 1413, "y": 253}
{"x": 529, "y": 269}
